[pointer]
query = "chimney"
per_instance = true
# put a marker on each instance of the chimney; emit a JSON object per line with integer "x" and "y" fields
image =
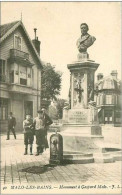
{"x": 114, "y": 74}
{"x": 99, "y": 76}
{"x": 36, "y": 42}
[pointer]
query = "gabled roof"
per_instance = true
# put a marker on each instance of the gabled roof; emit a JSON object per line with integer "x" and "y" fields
{"x": 7, "y": 29}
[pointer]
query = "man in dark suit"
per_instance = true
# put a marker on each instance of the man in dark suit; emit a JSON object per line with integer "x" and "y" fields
{"x": 47, "y": 122}
{"x": 11, "y": 125}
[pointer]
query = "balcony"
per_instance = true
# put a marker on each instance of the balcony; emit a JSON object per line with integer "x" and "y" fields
{"x": 16, "y": 88}
{"x": 17, "y": 53}
{"x": 19, "y": 57}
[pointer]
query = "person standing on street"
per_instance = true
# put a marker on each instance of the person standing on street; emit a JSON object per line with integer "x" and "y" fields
{"x": 47, "y": 122}
{"x": 28, "y": 133}
{"x": 11, "y": 125}
{"x": 40, "y": 123}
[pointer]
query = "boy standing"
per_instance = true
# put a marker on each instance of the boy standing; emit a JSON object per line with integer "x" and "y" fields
{"x": 28, "y": 133}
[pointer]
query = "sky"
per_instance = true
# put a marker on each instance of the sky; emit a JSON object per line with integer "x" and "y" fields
{"x": 58, "y": 28}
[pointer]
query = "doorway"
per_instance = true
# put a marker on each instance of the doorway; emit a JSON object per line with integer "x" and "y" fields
{"x": 28, "y": 108}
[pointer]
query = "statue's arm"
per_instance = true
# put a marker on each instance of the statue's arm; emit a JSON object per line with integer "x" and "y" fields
{"x": 91, "y": 40}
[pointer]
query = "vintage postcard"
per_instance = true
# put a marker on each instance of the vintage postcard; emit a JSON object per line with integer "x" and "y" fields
{"x": 60, "y": 97}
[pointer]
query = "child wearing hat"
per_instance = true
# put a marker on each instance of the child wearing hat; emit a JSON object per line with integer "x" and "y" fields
{"x": 28, "y": 133}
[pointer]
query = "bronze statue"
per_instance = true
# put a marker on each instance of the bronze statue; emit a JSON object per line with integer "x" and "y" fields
{"x": 85, "y": 40}
{"x": 79, "y": 88}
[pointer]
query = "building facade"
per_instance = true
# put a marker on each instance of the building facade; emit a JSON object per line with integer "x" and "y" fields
{"x": 20, "y": 74}
{"x": 108, "y": 99}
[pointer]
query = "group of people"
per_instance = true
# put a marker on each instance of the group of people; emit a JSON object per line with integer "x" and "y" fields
{"x": 37, "y": 127}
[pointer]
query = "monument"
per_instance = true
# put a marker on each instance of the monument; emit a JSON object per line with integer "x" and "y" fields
{"x": 81, "y": 131}
{"x": 82, "y": 109}
{"x": 53, "y": 113}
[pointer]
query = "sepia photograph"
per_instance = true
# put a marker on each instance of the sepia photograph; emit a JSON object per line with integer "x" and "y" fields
{"x": 60, "y": 97}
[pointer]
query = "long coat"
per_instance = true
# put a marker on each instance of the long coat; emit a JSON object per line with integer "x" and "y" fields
{"x": 11, "y": 122}
{"x": 47, "y": 122}
{"x": 41, "y": 136}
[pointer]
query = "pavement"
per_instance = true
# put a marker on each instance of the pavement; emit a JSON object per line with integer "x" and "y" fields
{"x": 18, "y": 169}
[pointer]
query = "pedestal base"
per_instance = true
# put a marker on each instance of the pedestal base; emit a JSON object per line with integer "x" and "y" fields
{"x": 85, "y": 144}
{"x": 81, "y": 138}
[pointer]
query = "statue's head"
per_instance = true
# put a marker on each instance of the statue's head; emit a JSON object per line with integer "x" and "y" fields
{"x": 84, "y": 28}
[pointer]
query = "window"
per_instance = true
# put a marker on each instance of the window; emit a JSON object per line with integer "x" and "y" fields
{"x": 2, "y": 70}
{"x": 108, "y": 99}
{"x": 23, "y": 75}
{"x": 108, "y": 116}
{"x": 23, "y": 81}
{"x": 17, "y": 42}
{"x": 3, "y": 109}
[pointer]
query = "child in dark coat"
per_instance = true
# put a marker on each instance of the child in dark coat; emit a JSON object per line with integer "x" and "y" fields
{"x": 28, "y": 133}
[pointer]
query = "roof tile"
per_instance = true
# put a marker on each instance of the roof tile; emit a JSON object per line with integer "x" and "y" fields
{"x": 6, "y": 27}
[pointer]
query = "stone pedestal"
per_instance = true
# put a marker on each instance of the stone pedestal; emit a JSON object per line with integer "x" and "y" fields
{"x": 81, "y": 131}
{"x": 80, "y": 116}
{"x": 82, "y": 138}
{"x": 82, "y": 82}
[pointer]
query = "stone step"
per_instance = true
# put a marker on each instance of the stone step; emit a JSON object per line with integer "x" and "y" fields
{"x": 79, "y": 161}
{"x": 100, "y": 154}
{"x": 77, "y": 156}
{"x": 112, "y": 149}
{"x": 72, "y": 152}
{"x": 104, "y": 160}
{"x": 117, "y": 156}
{"x": 108, "y": 157}
{"x": 114, "y": 153}
{"x": 97, "y": 157}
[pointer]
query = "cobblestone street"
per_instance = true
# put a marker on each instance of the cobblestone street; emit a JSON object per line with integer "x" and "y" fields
{"x": 13, "y": 164}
